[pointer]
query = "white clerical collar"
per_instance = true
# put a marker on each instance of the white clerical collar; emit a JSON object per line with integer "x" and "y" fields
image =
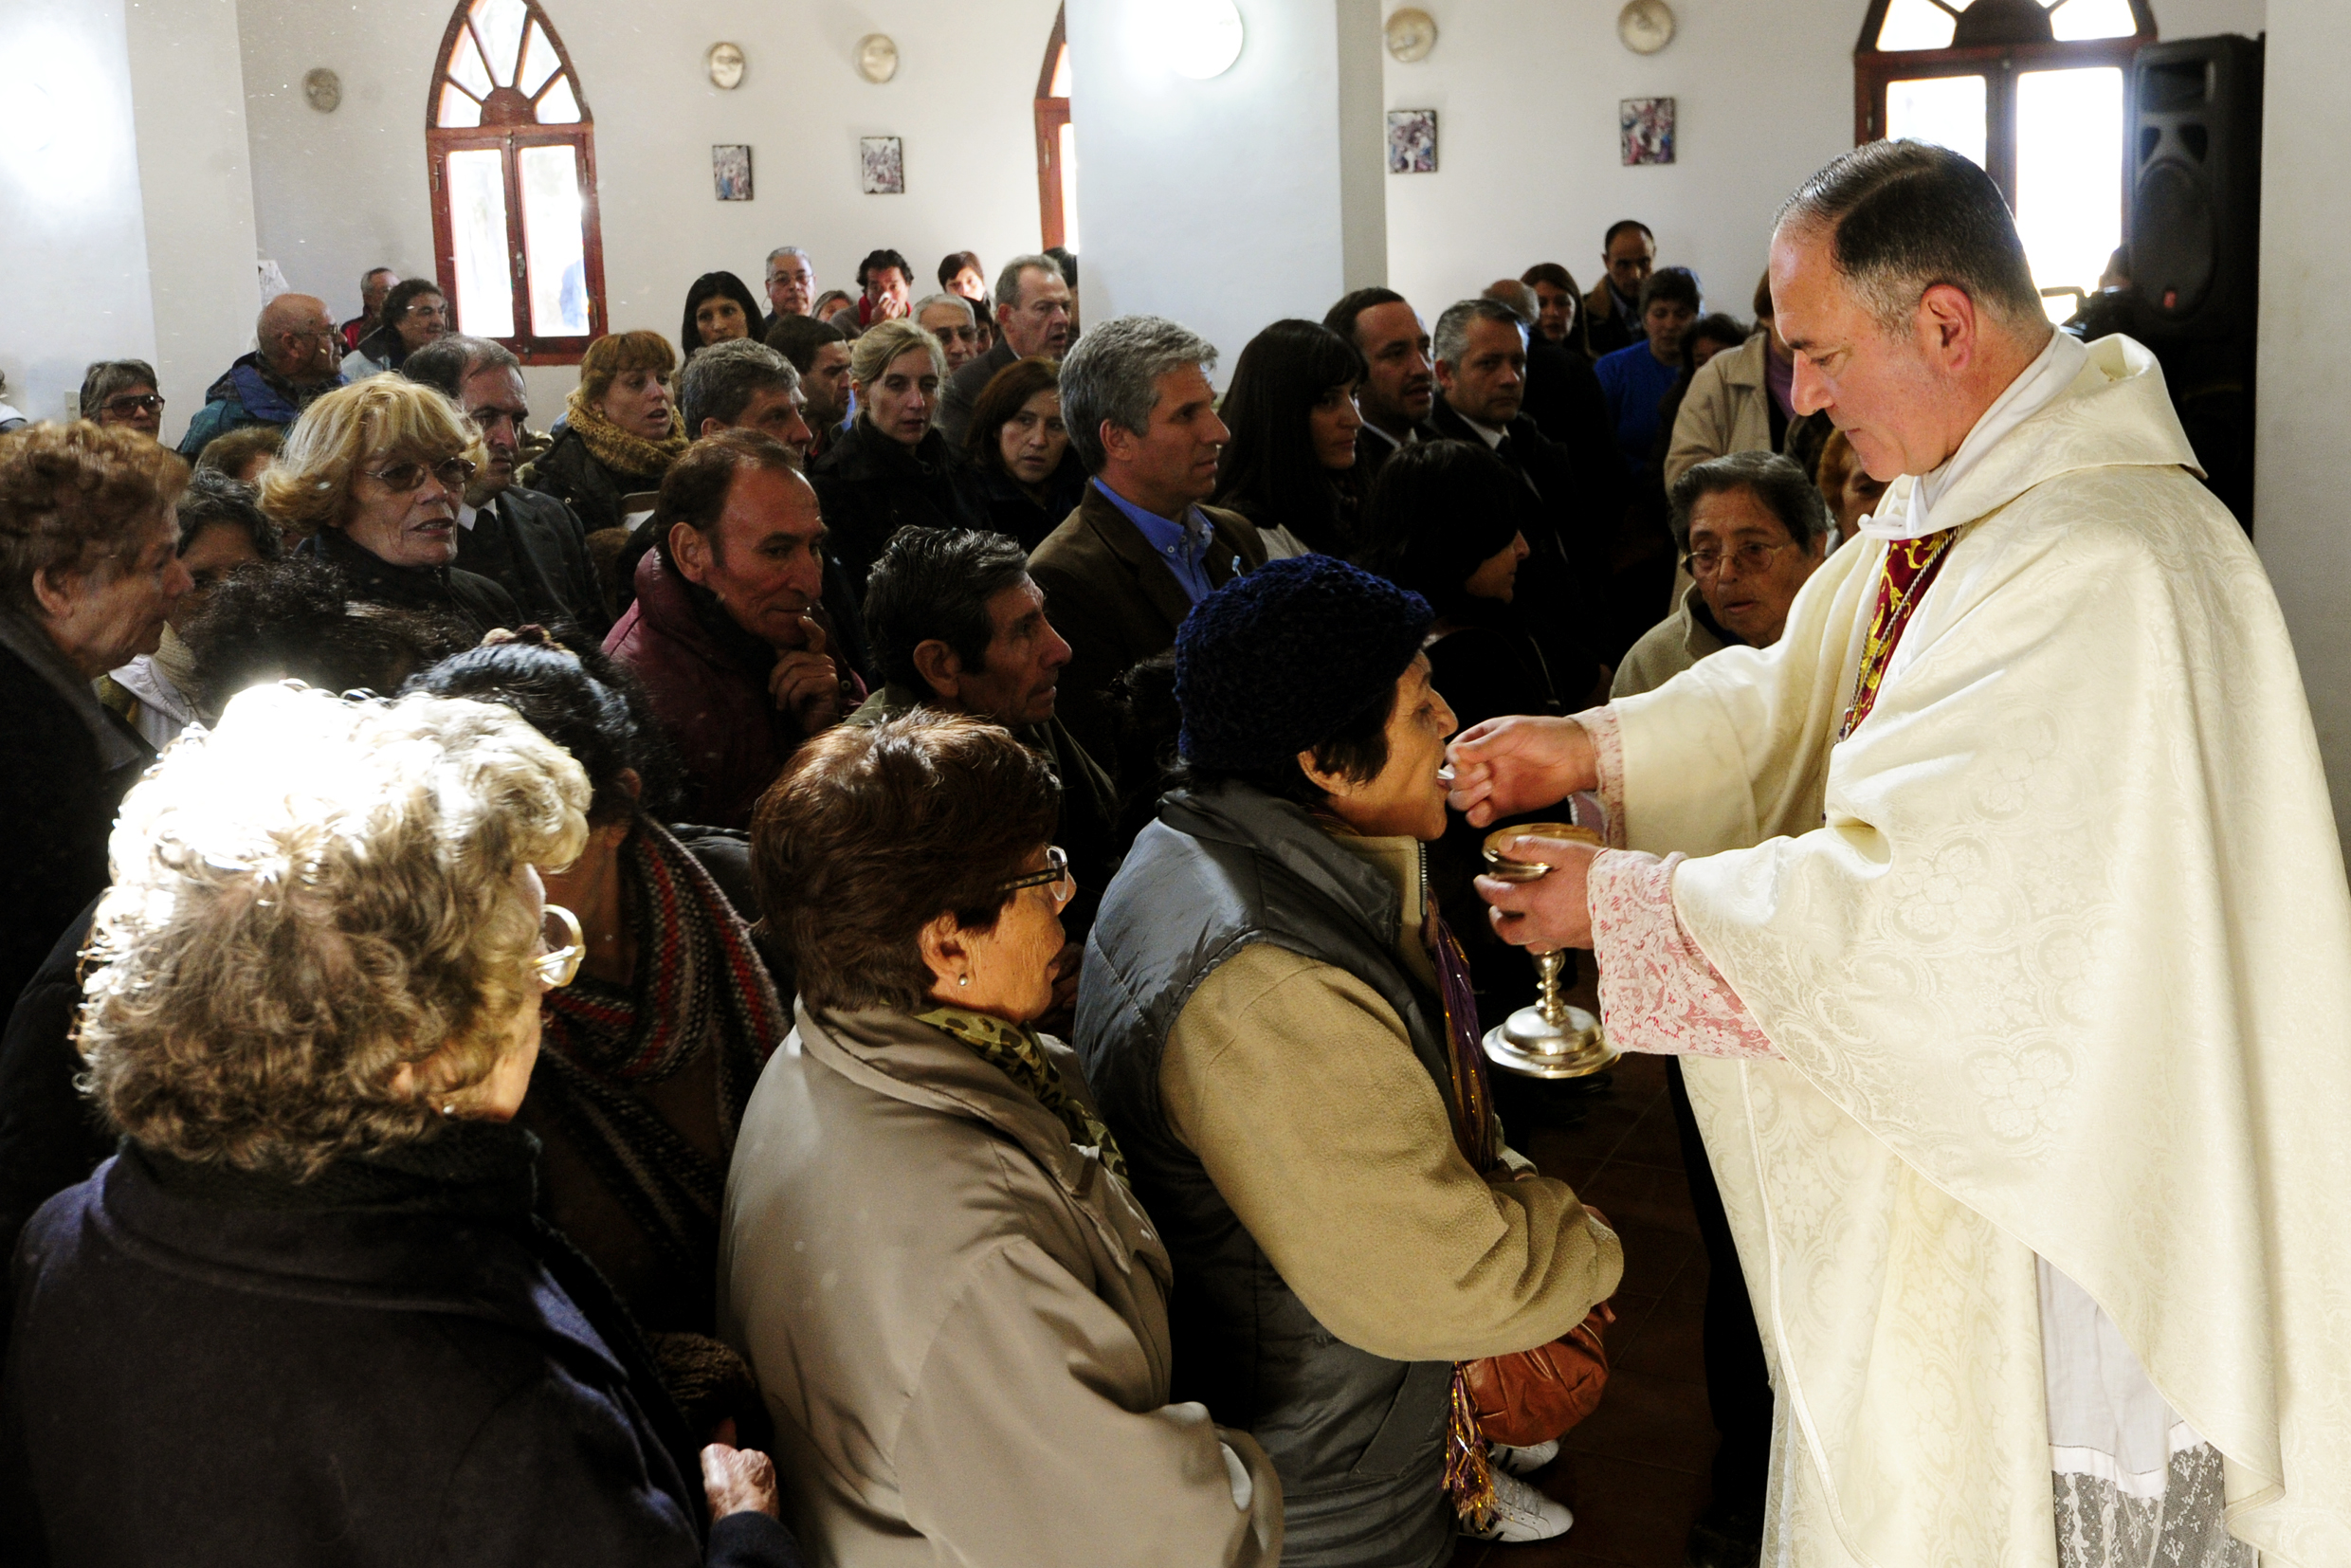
{"x": 466, "y": 514}
{"x": 1491, "y": 436}
{"x": 2035, "y": 388}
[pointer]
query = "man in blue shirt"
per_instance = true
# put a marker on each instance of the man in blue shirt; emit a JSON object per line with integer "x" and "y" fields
{"x": 1637, "y": 379}
{"x": 1126, "y": 567}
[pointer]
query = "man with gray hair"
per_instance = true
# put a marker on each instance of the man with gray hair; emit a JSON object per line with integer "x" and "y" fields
{"x": 295, "y": 363}
{"x": 950, "y": 319}
{"x": 1126, "y": 567}
{"x": 791, "y": 284}
{"x": 745, "y": 384}
{"x": 1479, "y": 349}
{"x": 529, "y": 543}
{"x": 1033, "y": 316}
{"x": 2000, "y": 912}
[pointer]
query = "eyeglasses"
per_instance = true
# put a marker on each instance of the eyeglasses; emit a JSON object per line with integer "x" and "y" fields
{"x": 1751, "y": 556}
{"x": 561, "y": 948}
{"x": 1055, "y": 877}
{"x": 122, "y": 408}
{"x": 400, "y": 478}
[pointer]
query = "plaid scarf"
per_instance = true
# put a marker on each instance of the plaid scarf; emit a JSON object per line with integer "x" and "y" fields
{"x": 698, "y": 987}
{"x": 1014, "y": 1052}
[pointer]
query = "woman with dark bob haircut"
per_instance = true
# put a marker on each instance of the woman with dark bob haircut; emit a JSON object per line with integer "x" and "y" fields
{"x": 312, "y": 1280}
{"x": 646, "y": 1059}
{"x": 1019, "y": 451}
{"x": 1290, "y": 467}
{"x": 956, "y": 1309}
{"x": 718, "y": 309}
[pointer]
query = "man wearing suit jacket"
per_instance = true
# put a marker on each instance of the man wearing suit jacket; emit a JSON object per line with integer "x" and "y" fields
{"x": 1123, "y": 569}
{"x": 1481, "y": 375}
{"x": 529, "y": 543}
{"x": 1396, "y": 388}
{"x": 1033, "y": 316}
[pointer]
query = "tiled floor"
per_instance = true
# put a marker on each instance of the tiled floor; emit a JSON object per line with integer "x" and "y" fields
{"x": 1636, "y": 1472}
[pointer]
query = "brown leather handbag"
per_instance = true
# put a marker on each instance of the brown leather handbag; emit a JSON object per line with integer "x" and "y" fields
{"x": 1533, "y": 1395}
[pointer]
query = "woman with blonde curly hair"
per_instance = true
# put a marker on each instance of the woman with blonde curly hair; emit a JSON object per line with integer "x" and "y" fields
{"x": 312, "y": 1280}
{"x": 892, "y": 469}
{"x": 370, "y": 481}
{"x": 620, "y": 432}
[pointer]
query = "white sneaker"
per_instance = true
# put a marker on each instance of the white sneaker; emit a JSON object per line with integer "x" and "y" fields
{"x": 1525, "y": 1461}
{"x": 1522, "y": 1513}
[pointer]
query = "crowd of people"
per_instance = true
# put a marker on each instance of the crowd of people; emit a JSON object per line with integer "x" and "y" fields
{"x": 858, "y": 951}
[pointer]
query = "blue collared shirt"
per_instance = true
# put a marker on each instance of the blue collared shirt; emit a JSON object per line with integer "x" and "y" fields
{"x": 1184, "y": 546}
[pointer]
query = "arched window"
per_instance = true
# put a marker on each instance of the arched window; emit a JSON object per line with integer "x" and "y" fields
{"x": 1057, "y": 154}
{"x": 513, "y": 156}
{"x": 2035, "y": 91}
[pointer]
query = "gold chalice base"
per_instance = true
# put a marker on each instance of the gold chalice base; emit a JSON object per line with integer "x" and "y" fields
{"x": 1552, "y": 1038}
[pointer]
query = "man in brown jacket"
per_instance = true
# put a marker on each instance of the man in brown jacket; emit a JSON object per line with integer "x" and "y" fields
{"x": 1126, "y": 567}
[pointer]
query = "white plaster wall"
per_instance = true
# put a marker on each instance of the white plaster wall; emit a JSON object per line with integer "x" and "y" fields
{"x": 197, "y": 190}
{"x": 73, "y": 240}
{"x": 2302, "y": 524}
{"x": 337, "y": 193}
{"x": 1219, "y": 203}
{"x": 1527, "y": 93}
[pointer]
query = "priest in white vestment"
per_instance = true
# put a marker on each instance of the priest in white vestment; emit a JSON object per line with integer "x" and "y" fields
{"x": 2000, "y": 911}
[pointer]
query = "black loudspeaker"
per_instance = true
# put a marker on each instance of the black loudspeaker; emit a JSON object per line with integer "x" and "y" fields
{"x": 2193, "y": 226}
{"x": 2195, "y": 216}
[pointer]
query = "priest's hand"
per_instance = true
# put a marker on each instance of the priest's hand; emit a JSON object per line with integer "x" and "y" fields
{"x": 804, "y": 681}
{"x": 1505, "y": 766}
{"x": 1552, "y": 911}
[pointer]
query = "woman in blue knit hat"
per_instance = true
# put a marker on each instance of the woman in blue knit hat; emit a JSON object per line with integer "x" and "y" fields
{"x": 1279, "y": 1031}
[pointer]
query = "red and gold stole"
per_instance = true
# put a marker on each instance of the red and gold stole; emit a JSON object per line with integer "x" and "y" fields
{"x": 1911, "y": 568}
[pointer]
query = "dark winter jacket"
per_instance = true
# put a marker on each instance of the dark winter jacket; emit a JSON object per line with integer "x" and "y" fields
{"x": 570, "y": 472}
{"x": 1008, "y": 508}
{"x": 441, "y": 591}
{"x": 706, "y": 678}
{"x": 395, "y": 1362}
{"x": 249, "y": 393}
{"x": 869, "y": 487}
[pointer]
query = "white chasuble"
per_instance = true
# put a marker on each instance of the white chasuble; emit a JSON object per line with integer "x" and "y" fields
{"x": 2055, "y": 950}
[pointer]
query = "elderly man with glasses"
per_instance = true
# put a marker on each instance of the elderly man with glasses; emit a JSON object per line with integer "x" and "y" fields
{"x": 294, "y": 366}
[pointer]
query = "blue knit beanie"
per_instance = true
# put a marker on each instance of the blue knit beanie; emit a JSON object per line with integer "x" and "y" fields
{"x": 1282, "y": 658}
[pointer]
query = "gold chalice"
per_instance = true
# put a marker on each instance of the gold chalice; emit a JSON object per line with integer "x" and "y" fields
{"x": 1551, "y": 1039}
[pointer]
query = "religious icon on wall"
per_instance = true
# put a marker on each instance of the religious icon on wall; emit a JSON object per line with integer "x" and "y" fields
{"x": 1411, "y": 141}
{"x": 881, "y": 162}
{"x": 1645, "y": 127}
{"x": 730, "y": 170}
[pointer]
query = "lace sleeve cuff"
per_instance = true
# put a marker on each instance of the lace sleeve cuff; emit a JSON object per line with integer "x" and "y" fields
{"x": 1658, "y": 992}
{"x": 1609, "y": 752}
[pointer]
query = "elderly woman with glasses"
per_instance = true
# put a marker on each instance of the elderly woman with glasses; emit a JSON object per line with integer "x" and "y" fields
{"x": 123, "y": 391}
{"x": 370, "y": 481}
{"x": 312, "y": 1283}
{"x": 955, "y": 1306}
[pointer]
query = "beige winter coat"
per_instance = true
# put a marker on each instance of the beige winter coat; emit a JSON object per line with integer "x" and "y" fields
{"x": 1728, "y": 409}
{"x": 959, "y": 1322}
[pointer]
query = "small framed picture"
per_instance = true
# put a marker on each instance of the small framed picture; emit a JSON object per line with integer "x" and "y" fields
{"x": 730, "y": 171}
{"x": 1645, "y": 129}
{"x": 1411, "y": 141}
{"x": 882, "y": 166}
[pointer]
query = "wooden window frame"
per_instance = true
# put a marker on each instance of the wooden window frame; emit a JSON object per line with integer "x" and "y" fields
{"x": 1052, "y": 113}
{"x": 1999, "y": 64}
{"x": 510, "y": 138}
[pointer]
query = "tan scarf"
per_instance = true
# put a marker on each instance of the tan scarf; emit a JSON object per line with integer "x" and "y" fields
{"x": 625, "y": 451}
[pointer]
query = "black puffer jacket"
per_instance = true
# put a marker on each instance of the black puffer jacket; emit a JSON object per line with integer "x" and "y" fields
{"x": 570, "y": 472}
{"x": 395, "y": 1362}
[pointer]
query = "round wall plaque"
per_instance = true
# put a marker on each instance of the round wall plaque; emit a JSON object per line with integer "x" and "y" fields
{"x": 1411, "y": 33}
{"x": 1644, "y": 25}
{"x": 324, "y": 90}
{"x": 726, "y": 65}
{"x": 877, "y": 57}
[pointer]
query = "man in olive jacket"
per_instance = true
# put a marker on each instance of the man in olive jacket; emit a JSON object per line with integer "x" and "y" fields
{"x": 1261, "y": 1019}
